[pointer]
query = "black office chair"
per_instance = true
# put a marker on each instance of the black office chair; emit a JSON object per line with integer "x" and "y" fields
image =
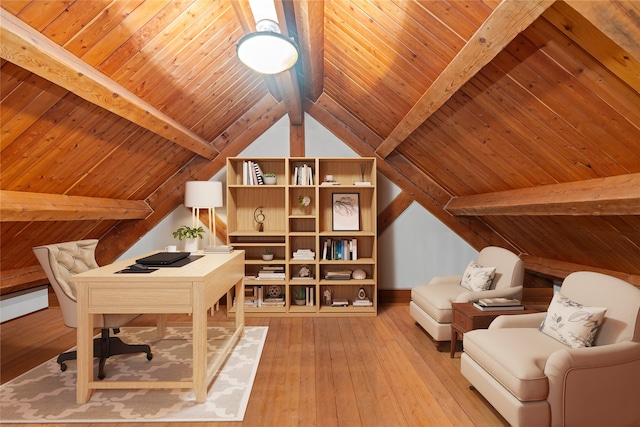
{"x": 60, "y": 261}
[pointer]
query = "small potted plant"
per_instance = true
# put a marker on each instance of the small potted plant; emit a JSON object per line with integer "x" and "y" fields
{"x": 300, "y": 297}
{"x": 267, "y": 255}
{"x": 190, "y": 235}
{"x": 270, "y": 178}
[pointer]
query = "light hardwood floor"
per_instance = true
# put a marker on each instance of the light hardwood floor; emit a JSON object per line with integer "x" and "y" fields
{"x": 381, "y": 371}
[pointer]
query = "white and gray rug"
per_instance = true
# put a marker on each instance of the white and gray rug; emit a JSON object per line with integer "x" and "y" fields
{"x": 46, "y": 395}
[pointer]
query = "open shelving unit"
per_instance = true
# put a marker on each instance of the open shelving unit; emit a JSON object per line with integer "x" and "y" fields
{"x": 269, "y": 216}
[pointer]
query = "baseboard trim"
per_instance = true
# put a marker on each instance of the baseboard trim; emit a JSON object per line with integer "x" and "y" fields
{"x": 394, "y": 296}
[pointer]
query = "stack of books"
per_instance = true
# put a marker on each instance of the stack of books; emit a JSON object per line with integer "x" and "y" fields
{"x": 304, "y": 254}
{"x": 340, "y": 302}
{"x": 271, "y": 272}
{"x": 272, "y": 302}
{"x": 338, "y": 275}
{"x": 362, "y": 303}
{"x": 498, "y": 304}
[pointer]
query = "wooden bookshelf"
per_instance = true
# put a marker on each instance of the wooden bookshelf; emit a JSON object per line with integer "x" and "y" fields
{"x": 287, "y": 228}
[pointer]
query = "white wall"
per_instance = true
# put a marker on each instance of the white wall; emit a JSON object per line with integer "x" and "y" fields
{"x": 412, "y": 250}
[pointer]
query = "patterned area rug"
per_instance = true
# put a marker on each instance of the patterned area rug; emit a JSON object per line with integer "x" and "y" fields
{"x": 45, "y": 394}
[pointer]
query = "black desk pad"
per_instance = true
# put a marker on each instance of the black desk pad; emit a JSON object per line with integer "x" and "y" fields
{"x": 152, "y": 268}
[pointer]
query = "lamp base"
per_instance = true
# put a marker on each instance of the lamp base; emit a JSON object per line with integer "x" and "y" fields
{"x": 224, "y": 249}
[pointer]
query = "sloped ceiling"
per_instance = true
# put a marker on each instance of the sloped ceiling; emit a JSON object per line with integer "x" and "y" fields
{"x": 517, "y": 124}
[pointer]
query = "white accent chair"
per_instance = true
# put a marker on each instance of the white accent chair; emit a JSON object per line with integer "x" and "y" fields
{"x": 533, "y": 379}
{"x": 430, "y": 304}
{"x": 61, "y": 261}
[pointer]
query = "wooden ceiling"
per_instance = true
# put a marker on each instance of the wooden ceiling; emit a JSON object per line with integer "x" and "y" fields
{"x": 515, "y": 123}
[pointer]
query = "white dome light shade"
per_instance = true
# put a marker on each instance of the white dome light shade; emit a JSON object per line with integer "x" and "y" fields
{"x": 267, "y": 52}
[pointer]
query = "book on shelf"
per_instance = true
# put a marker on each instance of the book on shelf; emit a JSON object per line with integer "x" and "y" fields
{"x": 338, "y": 275}
{"x": 498, "y": 307}
{"x": 310, "y": 292}
{"x": 251, "y": 173}
{"x": 339, "y": 302}
{"x": 326, "y": 183}
{"x": 340, "y": 250}
{"x": 304, "y": 254}
{"x": 303, "y": 175}
{"x": 499, "y": 302}
{"x": 362, "y": 303}
{"x": 271, "y": 276}
{"x": 273, "y": 302}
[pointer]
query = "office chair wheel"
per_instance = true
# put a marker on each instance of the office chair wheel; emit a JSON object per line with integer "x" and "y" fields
{"x": 149, "y": 356}
{"x": 101, "y": 376}
{"x": 63, "y": 367}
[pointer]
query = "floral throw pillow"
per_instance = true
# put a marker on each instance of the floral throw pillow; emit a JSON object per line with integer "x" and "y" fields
{"x": 477, "y": 278}
{"x": 571, "y": 323}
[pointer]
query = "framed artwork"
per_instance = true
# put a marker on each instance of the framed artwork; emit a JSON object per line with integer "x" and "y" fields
{"x": 346, "y": 211}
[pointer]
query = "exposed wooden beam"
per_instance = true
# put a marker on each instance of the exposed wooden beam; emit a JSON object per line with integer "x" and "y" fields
{"x": 615, "y": 195}
{"x": 310, "y": 25}
{"x": 23, "y": 206}
{"x": 561, "y": 269}
{"x": 506, "y": 21}
{"x": 590, "y": 38}
{"x": 21, "y": 278}
{"x": 29, "y": 49}
{"x": 288, "y": 80}
{"x": 296, "y": 141}
{"x": 617, "y": 19}
{"x": 393, "y": 210}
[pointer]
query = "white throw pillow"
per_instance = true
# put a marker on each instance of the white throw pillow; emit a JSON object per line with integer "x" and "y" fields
{"x": 477, "y": 278}
{"x": 571, "y": 323}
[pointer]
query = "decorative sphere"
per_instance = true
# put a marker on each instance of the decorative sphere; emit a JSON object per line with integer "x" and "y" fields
{"x": 359, "y": 274}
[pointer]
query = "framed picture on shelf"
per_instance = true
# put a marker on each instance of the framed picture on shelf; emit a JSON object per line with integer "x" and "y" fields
{"x": 346, "y": 211}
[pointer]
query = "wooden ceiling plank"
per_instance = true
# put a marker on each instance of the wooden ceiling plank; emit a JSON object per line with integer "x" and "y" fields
{"x": 586, "y": 35}
{"x": 13, "y": 127}
{"x": 23, "y": 206}
{"x": 614, "y": 195}
{"x": 587, "y": 69}
{"x": 309, "y": 16}
{"x": 617, "y": 19}
{"x": 371, "y": 60}
{"x": 25, "y": 47}
{"x": 505, "y": 23}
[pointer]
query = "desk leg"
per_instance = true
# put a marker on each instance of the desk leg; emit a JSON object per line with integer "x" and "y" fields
{"x": 240, "y": 306}
{"x": 199, "y": 319}
{"x": 161, "y": 325}
{"x": 85, "y": 346}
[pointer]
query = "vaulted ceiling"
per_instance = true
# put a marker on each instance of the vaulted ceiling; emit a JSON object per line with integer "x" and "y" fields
{"x": 515, "y": 123}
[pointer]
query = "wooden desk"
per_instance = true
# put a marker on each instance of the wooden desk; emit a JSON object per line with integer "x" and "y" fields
{"x": 192, "y": 288}
{"x": 465, "y": 317}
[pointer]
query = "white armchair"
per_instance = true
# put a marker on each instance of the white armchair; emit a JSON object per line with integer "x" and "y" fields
{"x": 430, "y": 304}
{"x": 534, "y": 379}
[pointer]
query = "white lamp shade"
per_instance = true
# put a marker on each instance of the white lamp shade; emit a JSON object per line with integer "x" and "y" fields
{"x": 203, "y": 194}
{"x": 267, "y": 52}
